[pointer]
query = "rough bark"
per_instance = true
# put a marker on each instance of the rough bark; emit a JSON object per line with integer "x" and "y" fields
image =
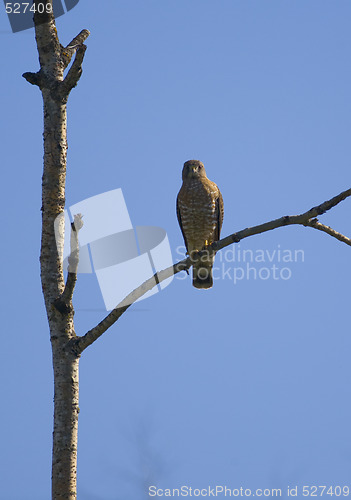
{"x": 55, "y": 89}
{"x": 61, "y": 324}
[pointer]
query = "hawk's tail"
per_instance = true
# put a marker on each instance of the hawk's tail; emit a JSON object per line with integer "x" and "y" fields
{"x": 202, "y": 276}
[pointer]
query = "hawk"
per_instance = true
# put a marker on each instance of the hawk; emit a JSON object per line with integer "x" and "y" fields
{"x": 200, "y": 215}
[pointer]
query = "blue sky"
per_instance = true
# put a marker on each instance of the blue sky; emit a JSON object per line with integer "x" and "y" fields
{"x": 246, "y": 384}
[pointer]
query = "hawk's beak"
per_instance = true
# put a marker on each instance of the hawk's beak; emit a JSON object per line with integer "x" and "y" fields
{"x": 193, "y": 169}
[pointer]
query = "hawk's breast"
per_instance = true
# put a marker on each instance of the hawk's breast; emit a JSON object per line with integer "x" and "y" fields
{"x": 197, "y": 201}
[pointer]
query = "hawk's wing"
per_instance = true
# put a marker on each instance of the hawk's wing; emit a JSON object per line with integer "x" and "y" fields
{"x": 181, "y": 225}
{"x": 219, "y": 215}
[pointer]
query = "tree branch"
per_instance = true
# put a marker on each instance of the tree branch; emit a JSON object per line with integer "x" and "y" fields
{"x": 326, "y": 229}
{"x": 64, "y": 302}
{"x": 282, "y": 221}
{"x": 33, "y": 78}
{"x": 67, "y": 52}
{"x": 74, "y": 73}
{"x": 81, "y": 343}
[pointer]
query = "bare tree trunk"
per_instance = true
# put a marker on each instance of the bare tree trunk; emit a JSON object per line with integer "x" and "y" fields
{"x": 65, "y": 363}
{"x": 54, "y": 58}
{"x": 64, "y": 458}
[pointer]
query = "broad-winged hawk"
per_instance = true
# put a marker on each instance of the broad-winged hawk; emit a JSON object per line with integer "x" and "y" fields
{"x": 200, "y": 215}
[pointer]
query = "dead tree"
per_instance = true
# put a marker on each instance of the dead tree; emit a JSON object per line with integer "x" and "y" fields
{"x": 67, "y": 347}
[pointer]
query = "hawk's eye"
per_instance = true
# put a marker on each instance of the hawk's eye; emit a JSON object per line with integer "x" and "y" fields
{"x": 200, "y": 167}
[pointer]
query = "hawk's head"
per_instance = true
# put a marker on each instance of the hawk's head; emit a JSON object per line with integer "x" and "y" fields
{"x": 193, "y": 169}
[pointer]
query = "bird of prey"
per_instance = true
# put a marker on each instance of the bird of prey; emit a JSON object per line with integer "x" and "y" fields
{"x": 200, "y": 216}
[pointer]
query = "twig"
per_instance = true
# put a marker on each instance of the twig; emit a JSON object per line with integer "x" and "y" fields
{"x": 326, "y": 229}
